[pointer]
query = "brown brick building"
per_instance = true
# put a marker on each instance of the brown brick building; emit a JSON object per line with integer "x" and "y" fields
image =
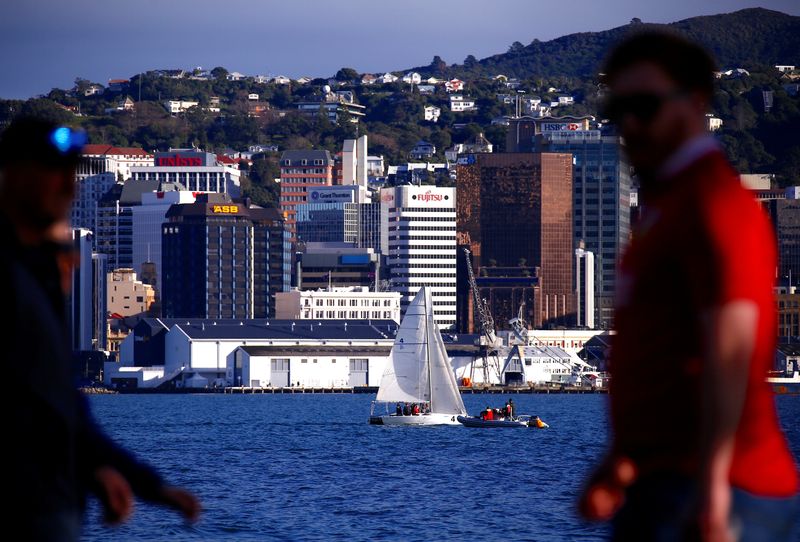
{"x": 514, "y": 213}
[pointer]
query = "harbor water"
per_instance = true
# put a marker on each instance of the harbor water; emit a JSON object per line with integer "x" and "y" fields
{"x": 309, "y": 467}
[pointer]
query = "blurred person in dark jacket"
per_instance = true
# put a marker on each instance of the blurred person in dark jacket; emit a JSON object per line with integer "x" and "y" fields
{"x": 697, "y": 452}
{"x": 55, "y": 452}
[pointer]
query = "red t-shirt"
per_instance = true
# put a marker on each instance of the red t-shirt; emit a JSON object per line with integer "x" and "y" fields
{"x": 703, "y": 242}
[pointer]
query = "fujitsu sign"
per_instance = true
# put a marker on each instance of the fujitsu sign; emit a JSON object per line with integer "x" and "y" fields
{"x": 429, "y": 196}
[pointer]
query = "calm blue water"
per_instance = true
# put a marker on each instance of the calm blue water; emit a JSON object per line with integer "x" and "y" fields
{"x": 309, "y": 467}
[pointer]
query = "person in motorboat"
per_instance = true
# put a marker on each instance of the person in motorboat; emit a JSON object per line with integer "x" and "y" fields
{"x": 510, "y": 409}
{"x": 487, "y": 414}
{"x": 537, "y": 422}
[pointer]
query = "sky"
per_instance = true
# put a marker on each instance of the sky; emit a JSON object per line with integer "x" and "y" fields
{"x": 48, "y": 43}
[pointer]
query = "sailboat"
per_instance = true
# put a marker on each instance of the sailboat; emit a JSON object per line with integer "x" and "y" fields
{"x": 418, "y": 373}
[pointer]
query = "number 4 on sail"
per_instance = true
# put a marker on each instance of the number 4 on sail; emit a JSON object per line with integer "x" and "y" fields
{"x": 418, "y": 386}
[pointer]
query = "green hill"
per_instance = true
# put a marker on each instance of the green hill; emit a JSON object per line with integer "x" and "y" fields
{"x": 745, "y": 38}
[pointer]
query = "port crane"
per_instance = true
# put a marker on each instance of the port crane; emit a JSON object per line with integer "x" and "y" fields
{"x": 489, "y": 342}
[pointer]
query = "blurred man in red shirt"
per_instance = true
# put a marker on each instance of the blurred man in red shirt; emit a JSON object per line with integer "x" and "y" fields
{"x": 697, "y": 451}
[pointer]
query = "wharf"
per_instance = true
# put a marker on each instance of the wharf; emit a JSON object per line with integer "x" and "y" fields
{"x": 301, "y": 389}
{"x": 500, "y": 390}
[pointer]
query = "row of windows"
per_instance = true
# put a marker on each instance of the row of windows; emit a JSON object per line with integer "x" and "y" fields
{"x": 425, "y": 275}
{"x": 353, "y": 302}
{"x": 299, "y": 199}
{"x": 448, "y": 210}
{"x": 424, "y": 247}
{"x": 422, "y": 237}
{"x": 429, "y": 284}
{"x": 423, "y": 266}
{"x": 423, "y": 219}
{"x": 386, "y": 315}
{"x": 422, "y": 228}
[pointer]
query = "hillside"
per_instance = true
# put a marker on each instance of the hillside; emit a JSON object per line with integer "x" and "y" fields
{"x": 746, "y": 38}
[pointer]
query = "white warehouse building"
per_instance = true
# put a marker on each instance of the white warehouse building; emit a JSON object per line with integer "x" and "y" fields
{"x": 208, "y": 353}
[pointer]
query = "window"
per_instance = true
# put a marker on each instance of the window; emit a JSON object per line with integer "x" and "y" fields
{"x": 303, "y": 360}
{"x": 139, "y": 299}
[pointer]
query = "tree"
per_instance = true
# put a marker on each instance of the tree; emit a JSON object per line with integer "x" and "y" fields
{"x": 516, "y": 47}
{"x": 470, "y": 61}
{"x": 346, "y": 74}
{"x": 438, "y": 66}
{"x": 219, "y": 73}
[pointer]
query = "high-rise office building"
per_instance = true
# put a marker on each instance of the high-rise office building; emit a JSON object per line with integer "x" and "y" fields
{"x": 114, "y": 233}
{"x": 515, "y": 217}
{"x": 419, "y": 229}
{"x": 301, "y": 170}
{"x": 601, "y": 204}
{"x": 785, "y": 214}
{"x": 195, "y": 170}
{"x": 584, "y": 288}
{"x": 87, "y": 298}
{"x": 100, "y": 168}
{"x": 354, "y": 162}
{"x": 339, "y": 214}
{"x": 146, "y": 221}
{"x": 217, "y": 259}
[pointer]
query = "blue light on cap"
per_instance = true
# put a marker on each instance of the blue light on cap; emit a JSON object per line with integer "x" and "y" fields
{"x": 61, "y": 138}
{"x": 68, "y": 140}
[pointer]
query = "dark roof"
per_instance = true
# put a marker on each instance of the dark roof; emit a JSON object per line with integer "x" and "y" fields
{"x": 132, "y": 191}
{"x": 789, "y": 349}
{"x": 321, "y": 350}
{"x": 263, "y": 329}
{"x": 295, "y": 157}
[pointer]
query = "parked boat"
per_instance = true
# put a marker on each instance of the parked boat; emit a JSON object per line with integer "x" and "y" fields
{"x": 418, "y": 373}
{"x": 785, "y": 385}
{"x": 477, "y": 421}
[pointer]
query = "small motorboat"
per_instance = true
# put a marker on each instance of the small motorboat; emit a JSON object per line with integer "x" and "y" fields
{"x": 477, "y": 421}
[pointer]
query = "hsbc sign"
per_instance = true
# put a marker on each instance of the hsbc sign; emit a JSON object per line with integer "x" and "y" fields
{"x": 560, "y": 126}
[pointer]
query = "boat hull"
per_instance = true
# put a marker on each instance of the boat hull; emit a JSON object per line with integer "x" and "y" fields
{"x": 472, "y": 421}
{"x": 423, "y": 419}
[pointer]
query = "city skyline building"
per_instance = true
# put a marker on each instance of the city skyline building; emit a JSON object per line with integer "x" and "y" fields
{"x": 216, "y": 256}
{"x": 419, "y": 231}
{"x": 300, "y": 171}
{"x": 515, "y": 217}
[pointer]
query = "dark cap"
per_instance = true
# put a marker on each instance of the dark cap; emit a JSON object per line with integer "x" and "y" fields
{"x": 40, "y": 141}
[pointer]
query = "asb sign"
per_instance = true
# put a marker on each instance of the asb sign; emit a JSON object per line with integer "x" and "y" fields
{"x": 225, "y": 209}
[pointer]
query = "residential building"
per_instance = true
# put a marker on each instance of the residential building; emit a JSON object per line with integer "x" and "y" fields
{"x": 387, "y": 78}
{"x": 195, "y": 170}
{"x": 419, "y": 229}
{"x": 87, "y": 297}
{"x": 454, "y": 85}
{"x": 479, "y": 145}
{"x": 515, "y": 217}
{"x": 118, "y": 85}
{"x": 336, "y": 105}
{"x": 785, "y": 68}
{"x": 375, "y": 166}
{"x": 282, "y": 80}
{"x": 368, "y": 79}
{"x": 126, "y": 296}
{"x": 459, "y": 103}
{"x": 565, "y": 99}
{"x": 412, "y": 78}
{"x": 175, "y": 107}
{"x": 423, "y": 150}
{"x": 301, "y": 170}
{"x": 100, "y": 168}
{"x": 218, "y": 259}
{"x": 713, "y": 123}
{"x": 426, "y": 89}
{"x": 432, "y": 113}
{"x": 340, "y": 303}
{"x": 93, "y": 90}
{"x": 325, "y": 265}
{"x": 601, "y": 203}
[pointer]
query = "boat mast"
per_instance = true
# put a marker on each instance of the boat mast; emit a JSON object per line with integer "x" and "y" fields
{"x": 428, "y": 350}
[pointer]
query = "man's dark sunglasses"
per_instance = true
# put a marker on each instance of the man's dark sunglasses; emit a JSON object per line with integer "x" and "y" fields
{"x": 642, "y": 105}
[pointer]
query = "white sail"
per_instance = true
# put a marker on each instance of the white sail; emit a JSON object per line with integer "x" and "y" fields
{"x": 445, "y": 397}
{"x": 406, "y": 376}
